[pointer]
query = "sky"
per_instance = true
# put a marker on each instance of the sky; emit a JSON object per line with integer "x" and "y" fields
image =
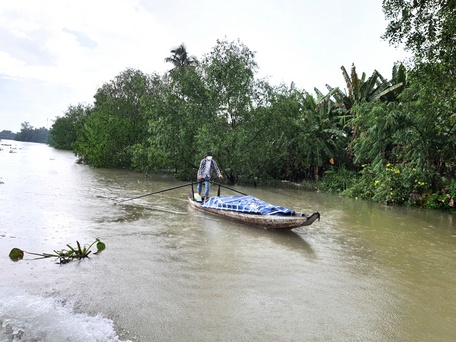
{"x": 57, "y": 53}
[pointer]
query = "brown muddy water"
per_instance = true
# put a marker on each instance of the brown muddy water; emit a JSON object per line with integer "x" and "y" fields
{"x": 365, "y": 272}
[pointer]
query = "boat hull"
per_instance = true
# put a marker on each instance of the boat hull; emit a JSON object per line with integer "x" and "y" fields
{"x": 258, "y": 220}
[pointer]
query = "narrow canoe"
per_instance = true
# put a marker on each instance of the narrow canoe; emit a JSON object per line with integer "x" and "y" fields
{"x": 259, "y": 220}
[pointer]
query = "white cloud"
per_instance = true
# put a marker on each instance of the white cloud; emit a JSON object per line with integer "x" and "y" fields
{"x": 63, "y": 50}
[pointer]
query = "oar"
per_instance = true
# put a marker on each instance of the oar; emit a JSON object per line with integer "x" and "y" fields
{"x": 156, "y": 192}
{"x": 223, "y": 186}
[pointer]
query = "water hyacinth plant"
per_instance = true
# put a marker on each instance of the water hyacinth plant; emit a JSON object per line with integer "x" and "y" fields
{"x": 64, "y": 255}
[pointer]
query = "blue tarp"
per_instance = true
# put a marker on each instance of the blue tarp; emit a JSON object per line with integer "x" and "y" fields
{"x": 245, "y": 204}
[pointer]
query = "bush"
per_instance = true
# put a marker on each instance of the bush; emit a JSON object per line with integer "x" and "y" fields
{"x": 444, "y": 198}
{"x": 337, "y": 180}
{"x": 393, "y": 184}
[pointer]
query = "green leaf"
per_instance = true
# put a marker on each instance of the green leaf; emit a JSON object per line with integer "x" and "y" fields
{"x": 16, "y": 254}
{"x": 79, "y": 247}
{"x": 100, "y": 246}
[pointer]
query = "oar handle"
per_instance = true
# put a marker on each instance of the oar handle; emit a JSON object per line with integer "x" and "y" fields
{"x": 156, "y": 192}
{"x": 180, "y": 186}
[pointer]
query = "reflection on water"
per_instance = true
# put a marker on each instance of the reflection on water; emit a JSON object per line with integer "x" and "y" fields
{"x": 365, "y": 272}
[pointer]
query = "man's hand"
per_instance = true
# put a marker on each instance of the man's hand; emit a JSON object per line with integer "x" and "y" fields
{"x": 220, "y": 176}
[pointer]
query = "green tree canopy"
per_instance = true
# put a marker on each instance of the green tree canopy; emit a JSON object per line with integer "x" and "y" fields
{"x": 64, "y": 130}
{"x": 31, "y": 134}
{"x": 115, "y": 122}
{"x": 426, "y": 28}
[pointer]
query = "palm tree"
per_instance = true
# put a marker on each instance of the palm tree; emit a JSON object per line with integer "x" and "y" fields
{"x": 180, "y": 57}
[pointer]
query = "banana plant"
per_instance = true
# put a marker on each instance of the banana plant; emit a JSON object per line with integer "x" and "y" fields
{"x": 361, "y": 90}
{"x": 373, "y": 89}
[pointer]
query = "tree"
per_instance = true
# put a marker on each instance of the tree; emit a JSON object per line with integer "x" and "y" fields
{"x": 7, "y": 135}
{"x": 427, "y": 28}
{"x": 64, "y": 130}
{"x": 180, "y": 57}
{"x": 228, "y": 71}
{"x": 115, "y": 123}
{"x": 375, "y": 88}
{"x": 31, "y": 134}
{"x": 172, "y": 121}
{"x": 228, "y": 74}
{"x": 360, "y": 90}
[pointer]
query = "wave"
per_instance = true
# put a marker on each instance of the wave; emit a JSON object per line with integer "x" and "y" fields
{"x": 28, "y": 317}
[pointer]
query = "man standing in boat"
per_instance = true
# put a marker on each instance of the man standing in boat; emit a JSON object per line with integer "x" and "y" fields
{"x": 207, "y": 166}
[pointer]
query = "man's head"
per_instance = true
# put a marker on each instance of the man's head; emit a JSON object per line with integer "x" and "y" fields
{"x": 208, "y": 155}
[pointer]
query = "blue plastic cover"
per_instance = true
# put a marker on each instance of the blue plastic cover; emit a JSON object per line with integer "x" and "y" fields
{"x": 245, "y": 204}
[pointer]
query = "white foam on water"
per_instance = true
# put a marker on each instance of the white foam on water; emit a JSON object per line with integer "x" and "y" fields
{"x": 28, "y": 317}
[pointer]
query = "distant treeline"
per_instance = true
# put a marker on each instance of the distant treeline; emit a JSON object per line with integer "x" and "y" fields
{"x": 31, "y": 134}
{"x": 7, "y": 135}
{"x": 390, "y": 140}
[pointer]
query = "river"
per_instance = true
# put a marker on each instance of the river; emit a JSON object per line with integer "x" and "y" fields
{"x": 364, "y": 272}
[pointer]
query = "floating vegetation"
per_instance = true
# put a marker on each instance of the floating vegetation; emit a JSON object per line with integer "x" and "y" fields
{"x": 64, "y": 255}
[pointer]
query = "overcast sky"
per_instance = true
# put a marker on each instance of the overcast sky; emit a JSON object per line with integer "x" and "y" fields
{"x": 57, "y": 53}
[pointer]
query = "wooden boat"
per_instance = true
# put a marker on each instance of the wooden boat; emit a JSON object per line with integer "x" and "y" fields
{"x": 259, "y": 220}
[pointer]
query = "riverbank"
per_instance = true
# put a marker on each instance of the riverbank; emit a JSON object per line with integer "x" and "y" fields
{"x": 393, "y": 187}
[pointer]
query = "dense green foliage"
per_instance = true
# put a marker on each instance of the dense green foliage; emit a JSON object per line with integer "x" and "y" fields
{"x": 426, "y": 28}
{"x": 63, "y": 132}
{"x": 7, "y": 135}
{"x": 389, "y": 140}
{"x": 31, "y": 134}
{"x": 405, "y": 145}
{"x": 116, "y": 122}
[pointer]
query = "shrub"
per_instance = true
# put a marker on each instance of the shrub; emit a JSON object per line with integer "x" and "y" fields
{"x": 337, "y": 180}
{"x": 393, "y": 184}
